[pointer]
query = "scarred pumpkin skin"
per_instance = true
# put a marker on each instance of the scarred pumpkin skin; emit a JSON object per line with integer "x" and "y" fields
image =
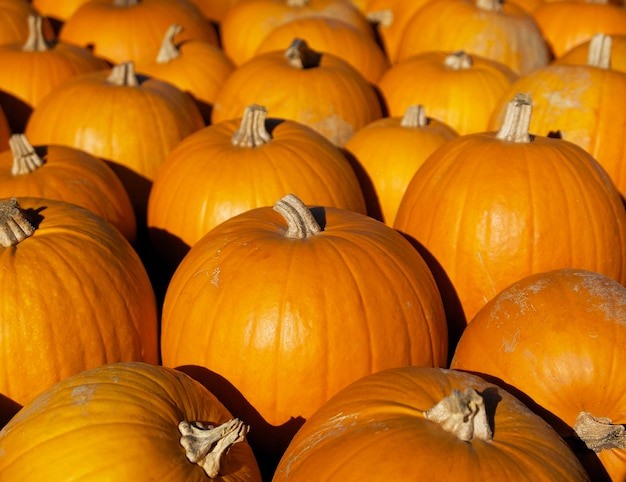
{"x": 117, "y": 422}
{"x": 75, "y": 295}
{"x": 377, "y": 429}
{"x": 558, "y": 339}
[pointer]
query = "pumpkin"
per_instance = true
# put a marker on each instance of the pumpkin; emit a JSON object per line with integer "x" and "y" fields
{"x": 558, "y": 339}
{"x": 194, "y": 66}
{"x": 130, "y": 121}
{"x": 66, "y": 174}
{"x": 334, "y": 36}
{"x": 32, "y": 69}
{"x": 14, "y": 21}
{"x": 271, "y": 301}
{"x": 457, "y": 88}
{"x": 421, "y": 423}
{"x": 247, "y": 23}
{"x": 228, "y": 168}
{"x": 493, "y": 207}
{"x": 57, "y": 11}
{"x": 75, "y": 295}
{"x": 126, "y": 421}
{"x": 615, "y": 44}
{"x": 131, "y": 30}
{"x": 216, "y": 11}
{"x": 388, "y": 151}
{"x": 317, "y": 89}
{"x": 503, "y": 32}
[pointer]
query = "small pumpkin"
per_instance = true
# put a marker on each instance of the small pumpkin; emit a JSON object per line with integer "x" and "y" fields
{"x": 127, "y": 421}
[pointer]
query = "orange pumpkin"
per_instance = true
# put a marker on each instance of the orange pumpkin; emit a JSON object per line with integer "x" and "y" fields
{"x": 216, "y": 11}
{"x": 501, "y": 31}
{"x": 66, "y": 174}
{"x": 319, "y": 90}
{"x": 271, "y": 301}
{"x": 493, "y": 207}
{"x": 14, "y": 21}
{"x": 457, "y": 88}
{"x": 237, "y": 165}
{"x": 132, "y": 30}
{"x": 387, "y": 153}
{"x": 558, "y": 340}
{"x": 580, "y": 54}
{"x": 420, "y": 423}
{"x": 75, "y": 295}
{"x": 127, "y": 421}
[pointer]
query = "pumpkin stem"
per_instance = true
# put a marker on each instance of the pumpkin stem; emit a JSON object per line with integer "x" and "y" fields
{"x": 123, "y": 74}
{"x": 14, "y": 226}
{"x": 252, "y": 131}
{"x": 384, "y": 17}
{"x": 168, "y": 50}
{"x": 599, "y": 54}
{"x": 462, "y": 414}
{"x": 36, "y": 41}
{"x": 459, "y": 60}
{"x": 600, "y": 433}
{"x": 125, "y": 3}
{"x": 301, "y": 56}
{"x": 301, "y": 223}
{"x": 515, "y": 127}
{"x": 490, "y": 5}
{"x": 297, "y": 3}
{"x": 25, "y": 159}
{"x": 205, "y": 444}
{"x": 414, "y": 116}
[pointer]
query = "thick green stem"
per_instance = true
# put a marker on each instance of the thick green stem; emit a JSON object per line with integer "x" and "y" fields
{"x": 14, "y": 227}
{"x": 252, "y": 131}
{"x": 515, "y": 127}
{"x": 300, "y": 56}
{"x": 25, "y": 159}
{"x": 301, "y": 223}
{"x": 600, "y": 433}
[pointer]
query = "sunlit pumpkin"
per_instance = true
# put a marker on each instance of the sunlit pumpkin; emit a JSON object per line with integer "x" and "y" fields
{"x": 14, "y": 21}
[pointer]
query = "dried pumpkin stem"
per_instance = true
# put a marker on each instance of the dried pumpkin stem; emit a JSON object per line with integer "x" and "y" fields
{"x": 168, "y": 50}
{"x": 490, "y": 5}
{"x": 414, "y": 116}
{"x": 36, "y": 42}
{"x": 599, "y": 54}
{"x": 25, "y": 159}
{"x": 384, "y": 17}
{"x": 459, "y": 60}
{"x": 14, "y": 227}
{"x": 206, "y": 444}
{"x": 301, "y": 223}
{"x": 123, "y": 74}
{"x": 462, "y": 414}
{"x": 600, "y": 433}
{"x": 297, "y": 3}
{"x": 125, "y": 3}
{"x": 252, "y": 131}
{"x": 301, "y": 56}
{"x": 516, "y": 125}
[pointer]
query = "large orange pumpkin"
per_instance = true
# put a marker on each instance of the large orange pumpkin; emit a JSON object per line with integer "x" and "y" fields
{"x": 277, "y": 311}
{"x": 420, "y": 423}
{"x": 126, "y": 421}
{"x": 237, "y": 165}
{"x": 75, "y": 295}
{"x": 14, "y": 21}
{"x": 558, "y": 339}
{"x": 493, "y": 207}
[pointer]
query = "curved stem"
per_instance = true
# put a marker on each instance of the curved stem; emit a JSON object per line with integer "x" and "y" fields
{"x": 515, "y": 127}
{"x": 14, "y": 227}
{"x": 600, "y": 433}
{"x": 298, "y": 3}
{"x": 301, "y": 56}
{"x": 459, "y": 60}
{"x": 123, "y": 74}
{"x": 384, "y": 17}
{"x": 599, "y": 54}
{"x": 168, "y": 50}
{"x": 490, "y": 5}
{"x": 25, "y": 159}
{"x": 252, "y": 131}
{"x": 301, "y": 223}
{"x": 414, "y": 116}
{"x": 36, "y": 42}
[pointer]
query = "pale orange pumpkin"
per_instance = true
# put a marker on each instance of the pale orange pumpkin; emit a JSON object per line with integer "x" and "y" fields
{"x": 558, "y": 340}
{"x": 127, "y": 421}
{"x": 277, "y": 309}
{"x": 75, "y": 295}
{"x": 420, "y": 423}
{"x": 236, "y": 165}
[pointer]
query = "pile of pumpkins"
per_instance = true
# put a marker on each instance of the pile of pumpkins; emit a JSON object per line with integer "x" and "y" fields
{"x": 304, "y": 240}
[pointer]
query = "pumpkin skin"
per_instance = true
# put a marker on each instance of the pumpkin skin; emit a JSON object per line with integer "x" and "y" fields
{"x": 377, "y": 429}
{"x": 58, "y": 11}
{"x": 65, "y": 310}
{"x": 322, "y": 91}
{"x": 503, "y": 32}
{"x": 131, "y": 30}
{"x": 14, "y": 21}
{"x": 209, "y": 177}
{"x": 492, "y": 210}
{"x": 130, "y": 414}
{"x": 557, "y": 338}
{"x": 66, "y": 174}
{"x": 271, "y": 314}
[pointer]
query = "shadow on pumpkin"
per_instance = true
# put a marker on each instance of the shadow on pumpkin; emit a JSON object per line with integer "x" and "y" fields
{"x": 8, "y": 409}
{"x": 268, "y": 441}
{"x": 372, "y": 203}
{"x": 171, "y": 248}
{"x": 16, "y": 111}
{"x": 138, "y": 189}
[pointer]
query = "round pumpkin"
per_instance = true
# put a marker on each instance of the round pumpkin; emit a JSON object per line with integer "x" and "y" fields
{"x": 126, "y": 421}
{"x": 558, "y": 340}
{"x": 75, "y": 295}
{"x": 493, "y": 207}
{"x": 276, "y": 309}
{"x": 236, "y": 165}
{"x": 14, "y": 21}
{"x": 5, "y": 130}
{"x": 57, "y": 11}
{"x": 420, "y": 423}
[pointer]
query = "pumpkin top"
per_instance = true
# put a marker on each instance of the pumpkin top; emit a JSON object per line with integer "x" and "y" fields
{"x": 36, "y": 42}
{"x": 414, "y": 116}
{"x": 123, "y": 75}
{"x": 301, "y": 56}
{"x": 599, "y": 54}
{"x": 14, "y": 225}
{"x": 515, "y": 127}
{"x": 25, "y": 159}
{"x": 459, "y": 60}
{"x": 301, "y": 223}
{"x": 252, "y": 131}
{"x": 490, "y": 5}
{"x": 168, "y": 50}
